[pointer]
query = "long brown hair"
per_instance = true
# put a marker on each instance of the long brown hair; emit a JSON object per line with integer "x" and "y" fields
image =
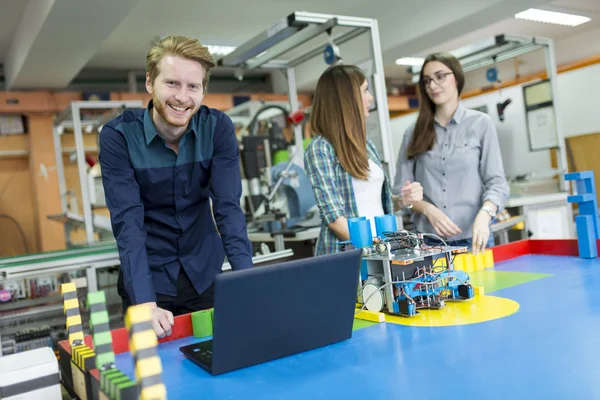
{"x": 337, "y": 114}
{"x": 424, "y": 135}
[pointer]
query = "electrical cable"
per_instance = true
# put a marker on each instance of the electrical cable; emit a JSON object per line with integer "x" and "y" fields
{"x": 19, "y": 228}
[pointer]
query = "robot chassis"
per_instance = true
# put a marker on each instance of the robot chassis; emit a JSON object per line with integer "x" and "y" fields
{"x": 401, "y": 274}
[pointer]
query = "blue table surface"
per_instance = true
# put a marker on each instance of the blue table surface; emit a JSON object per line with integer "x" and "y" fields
{"x": 549, "y": 349}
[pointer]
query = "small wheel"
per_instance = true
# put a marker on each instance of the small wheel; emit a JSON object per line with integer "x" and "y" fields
{"x": 373, "y": 297}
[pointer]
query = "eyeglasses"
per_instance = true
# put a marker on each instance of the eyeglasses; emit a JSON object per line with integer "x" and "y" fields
{"x": 438, "y": 78}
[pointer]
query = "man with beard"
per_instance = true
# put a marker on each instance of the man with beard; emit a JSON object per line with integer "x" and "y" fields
{"x": 161, "y": 167}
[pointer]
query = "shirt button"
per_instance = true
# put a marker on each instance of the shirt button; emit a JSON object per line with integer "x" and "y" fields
{"x": 444, "y": 159}
{"x": 444, "y": 190}
{"x": 446, "y": 145}
{"x": 444, "y": 206}
{"x": 444, "y": 173}
{"x": 179, "y": 217}
{"x": 178, "y": 198}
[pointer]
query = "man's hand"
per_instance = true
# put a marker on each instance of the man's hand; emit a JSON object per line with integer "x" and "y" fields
{"x": 411, "y": 193}
{"x": 162, "y": 320}
{"x": 481, "y": 232}
{"x": 442, "y": 224}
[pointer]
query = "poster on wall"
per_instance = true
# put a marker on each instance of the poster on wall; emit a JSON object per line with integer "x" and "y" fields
{"x": 542, "y": 128}
{"x": 539, "y": 112}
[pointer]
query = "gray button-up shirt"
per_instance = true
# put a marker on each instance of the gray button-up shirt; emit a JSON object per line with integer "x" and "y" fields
{"x": 462, "y": 170}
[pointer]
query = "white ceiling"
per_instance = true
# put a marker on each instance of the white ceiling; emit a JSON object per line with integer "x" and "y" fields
{"x": 53, "y": 46}
{"x": 512, "y": 26}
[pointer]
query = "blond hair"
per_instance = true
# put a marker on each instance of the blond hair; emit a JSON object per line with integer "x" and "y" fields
{"x": 337, "y": 114}
{"x": 180, "y": 46}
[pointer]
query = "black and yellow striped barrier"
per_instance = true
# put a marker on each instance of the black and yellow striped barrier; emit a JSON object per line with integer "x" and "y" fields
{"x": 142, "y": 345}
{"x": 71, "y": 308}
{"x": 114, "y": 384}
{"x": 82, "y": 357}
{"x": 100, "y": 329}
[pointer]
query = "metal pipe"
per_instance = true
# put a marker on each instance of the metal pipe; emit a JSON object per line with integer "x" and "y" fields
{"x": 382, "y": 104}
{"x": 82, "y": 169}
{"x": 298, "y": 156}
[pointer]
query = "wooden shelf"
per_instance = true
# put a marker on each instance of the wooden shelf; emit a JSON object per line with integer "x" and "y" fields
{"x": 90, "y": 142}
{"x": 14, "y": 146}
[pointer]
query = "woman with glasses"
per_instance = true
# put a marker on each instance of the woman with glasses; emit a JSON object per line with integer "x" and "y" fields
{"x": 342, "y": 165}
{"x": 455, "y": 154}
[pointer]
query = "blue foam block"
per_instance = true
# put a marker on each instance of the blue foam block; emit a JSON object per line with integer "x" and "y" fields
{"x": 385, "y": 223}
{"x": 586, "y": 237}
{"x": 573, "y": 176}
{"x": 360, "y": 232}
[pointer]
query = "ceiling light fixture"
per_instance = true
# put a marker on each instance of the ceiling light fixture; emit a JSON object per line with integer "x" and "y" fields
{"x": 410, "y": 61}
{"x": 552, "y": 17}
{"x": 216, "y": 50}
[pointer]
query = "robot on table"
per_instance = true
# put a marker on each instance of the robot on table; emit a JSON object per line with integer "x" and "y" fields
{"x": 400, "y": 273}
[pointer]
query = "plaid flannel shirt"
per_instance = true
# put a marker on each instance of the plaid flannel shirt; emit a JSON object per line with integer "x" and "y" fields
{"x": 333, "y": 189}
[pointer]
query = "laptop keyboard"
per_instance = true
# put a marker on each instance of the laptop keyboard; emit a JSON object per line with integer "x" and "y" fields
{"x": 204, "y": 353}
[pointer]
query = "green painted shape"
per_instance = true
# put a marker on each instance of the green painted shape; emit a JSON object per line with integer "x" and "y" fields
{"x": 100, "y": 317}
{"x": 202, "y": 323}
{"x": 123, "y": 393}
{"x": 102, "y": 338}
{"x": 103, "y": 359}
{"x": 498, "y": 280}
{"x": 361, "y": 323}
{"x": 114, "y": 385}
{"x": 96, "y": 298}
{"x": 106, "y": 377}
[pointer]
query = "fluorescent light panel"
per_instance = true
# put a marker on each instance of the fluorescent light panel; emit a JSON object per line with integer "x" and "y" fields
{"x": 552, "y": 17}
{"x": 410, "y": 61}
{"x": 220, "y": 50}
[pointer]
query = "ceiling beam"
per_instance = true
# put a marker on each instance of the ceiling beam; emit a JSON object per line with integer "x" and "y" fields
{"x": 56, "y": 38}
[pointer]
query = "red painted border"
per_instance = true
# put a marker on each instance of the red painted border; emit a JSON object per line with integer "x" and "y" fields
{"x": 182, "y": 328}
{"x": 511, "y": 250}
{"x": 565, "y": 247}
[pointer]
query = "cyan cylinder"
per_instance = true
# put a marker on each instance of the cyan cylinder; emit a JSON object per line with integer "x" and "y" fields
{"x": 385, "y": 223}
{"x": 360, "y": 232}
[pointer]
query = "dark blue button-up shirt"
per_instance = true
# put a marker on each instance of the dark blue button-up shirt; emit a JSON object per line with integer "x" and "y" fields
{"x": 159, "y": 201}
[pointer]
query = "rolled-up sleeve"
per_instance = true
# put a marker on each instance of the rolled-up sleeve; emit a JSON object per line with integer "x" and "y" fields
{"x": 319, "y": 163}
{"x": 225, "y": 193}
{"x": 492, "y": 168}
{"x": 404, "y": 166}
{"x": 123, "y": 200}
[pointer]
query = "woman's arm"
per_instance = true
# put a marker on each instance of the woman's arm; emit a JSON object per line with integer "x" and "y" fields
{"x": 340, "y": 228}
{"x": 491, "y": 169}
{"x": 319, "y": 163}
{"x": 405, "y": 191}
{"x": 496, "y": 187}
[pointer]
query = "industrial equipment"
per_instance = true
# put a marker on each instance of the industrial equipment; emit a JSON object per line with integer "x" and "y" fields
{"x": 288, "y": 46}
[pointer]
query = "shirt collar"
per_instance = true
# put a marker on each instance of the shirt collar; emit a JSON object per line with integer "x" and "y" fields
{"x": 150, "y": 131}
{"x": 458, "y": 116}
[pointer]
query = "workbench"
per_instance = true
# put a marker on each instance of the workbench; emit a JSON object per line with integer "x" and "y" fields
{"x": 539, "y": 355}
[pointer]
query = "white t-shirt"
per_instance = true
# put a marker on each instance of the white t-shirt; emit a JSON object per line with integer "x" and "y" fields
{"x": 368, "y": 195}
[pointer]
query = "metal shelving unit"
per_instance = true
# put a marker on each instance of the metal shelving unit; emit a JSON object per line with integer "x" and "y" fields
{"x": 72, "y": 118}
